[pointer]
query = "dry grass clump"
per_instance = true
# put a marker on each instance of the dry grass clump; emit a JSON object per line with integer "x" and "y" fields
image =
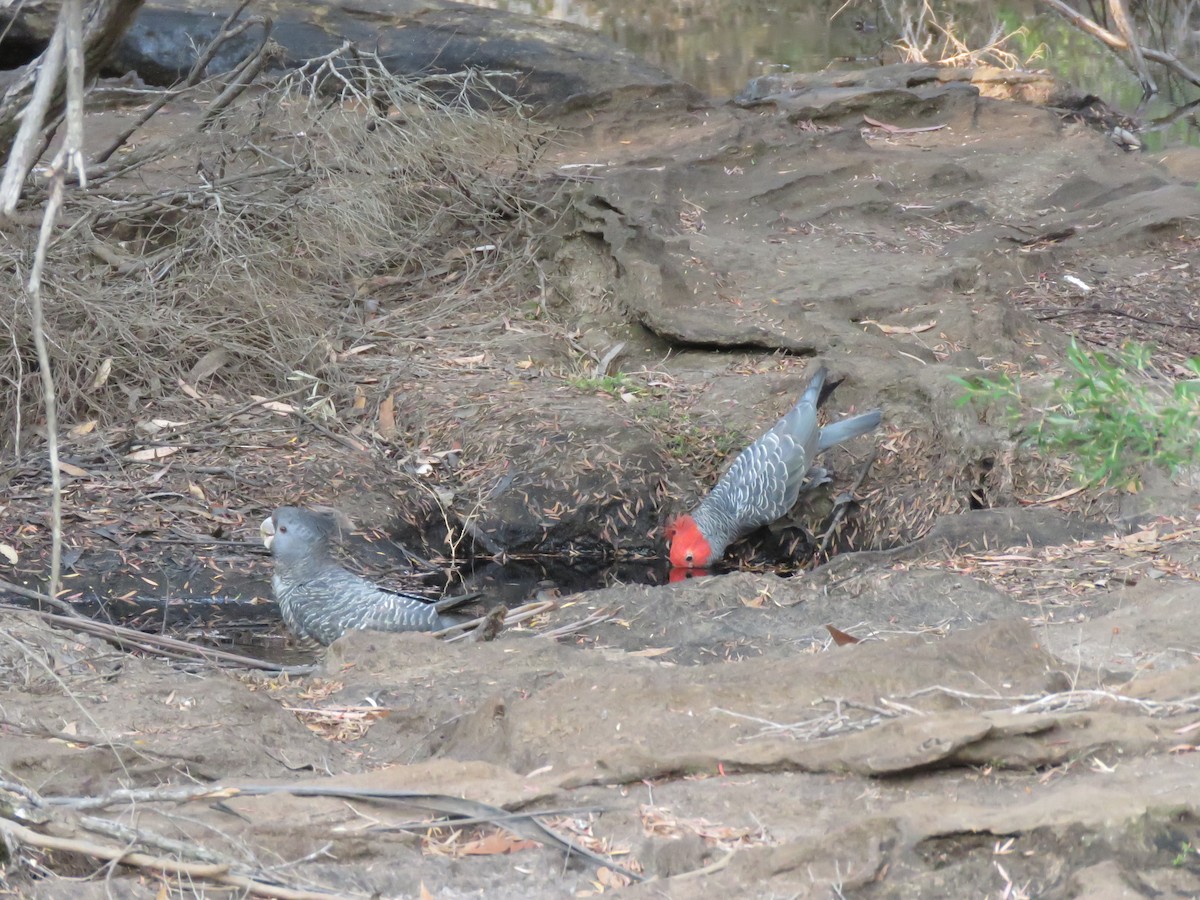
{"x": 918, "y": 479}
{"x": 925, "y": 36}
{"x": 254, "y": 246}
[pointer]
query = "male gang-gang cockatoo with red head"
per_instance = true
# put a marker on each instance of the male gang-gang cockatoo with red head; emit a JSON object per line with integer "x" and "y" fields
{"x": 764, "y": 481}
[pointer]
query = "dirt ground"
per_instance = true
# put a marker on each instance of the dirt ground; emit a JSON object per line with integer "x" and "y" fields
{"x": 1013, "y": 714}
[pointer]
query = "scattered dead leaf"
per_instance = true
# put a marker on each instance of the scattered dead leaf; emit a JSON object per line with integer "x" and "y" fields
{"x": 9, "y": 552}
{"x": 901, "y": 329}
{"x": 387, "y": 417}
{"x": 318, "y": 690}
{"x": 83, "y": 428}
{"x": 1140, "y": 541}
{"x": 758, "y": 601}
{"x": 658, "y": 822}
{"x": 284, "y": 409}
{"x": 102, "y": 374}
{"x": 496, "y": 843}
{"x": 154, "y": 426}
{"x": 611, "y": 879}
{"x": 146, "y": 454}
{"x": 189, "y": 390}
{"x": 339, "y": 723}
{"x": 841, "y": 638}
{"x": 159, "y": 475}
{"x": 209, "y": 364}
{"x": 606, "y": 880}
{"x": 67, "y": 469}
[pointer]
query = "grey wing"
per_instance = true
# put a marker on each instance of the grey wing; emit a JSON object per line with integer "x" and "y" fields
{"x": 764, "y": 481}
{"x": 396, "y": 611}
{"x": 292, "y": 600}
{"x": 334, "y": 601}
{"x": 794, "y": 440}
{"x": 315, "y": 607}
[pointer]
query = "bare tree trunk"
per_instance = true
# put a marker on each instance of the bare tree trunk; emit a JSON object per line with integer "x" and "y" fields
{"x": 1120, "y": 42}
{"x": 106, "y": 23}
{"x": 1119, "y": 10}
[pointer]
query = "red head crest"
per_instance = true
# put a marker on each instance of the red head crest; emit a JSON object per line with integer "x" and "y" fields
{"x": 687, "y": 547}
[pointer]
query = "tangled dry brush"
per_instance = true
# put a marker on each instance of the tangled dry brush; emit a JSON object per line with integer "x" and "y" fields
{"x": 278, "y": 230}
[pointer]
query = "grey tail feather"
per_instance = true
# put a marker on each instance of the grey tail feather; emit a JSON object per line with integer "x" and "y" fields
{"x": 849, "y": 428}
{"x": 812, "y": 393}
{"x": 448, "y": 603}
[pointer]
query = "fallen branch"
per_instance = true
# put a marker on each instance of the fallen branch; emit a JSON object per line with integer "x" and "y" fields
{"x": 528, "y": 825}
{"x": 525, "y": 825}
{"x": 460, "y": 821}
{"x": 513, "y": 617}
{"x": 131, "y": 836}
{"x": 173, "y": 648}
{"x": 826, "y": 725}
{"x": 18, "y": 727}
{"x": 600, "y": 615}
{"x": 1119, "y": 11}
{"x": 218, "y": 872}
{"x": 143, "y": 795}
{"x": 29, "y": 594}
{"x": 1066, "y": 701}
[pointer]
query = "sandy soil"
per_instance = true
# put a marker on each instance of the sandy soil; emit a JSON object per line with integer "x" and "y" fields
{"x": 1017, "y": 717}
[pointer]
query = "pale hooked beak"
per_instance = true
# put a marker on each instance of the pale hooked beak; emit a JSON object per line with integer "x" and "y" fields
{"x": 267, "y": 530}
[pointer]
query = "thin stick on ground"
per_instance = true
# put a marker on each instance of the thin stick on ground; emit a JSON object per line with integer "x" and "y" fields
{"x": 43, "y": 599}
{"x": 528, "y": 824}
{"x": 843, "y": 505}
{"x": 596, "y": 618}
{"x": 155, "y": 644}
{"x": 514, "y": 617}
{"x": 218, "y": 872}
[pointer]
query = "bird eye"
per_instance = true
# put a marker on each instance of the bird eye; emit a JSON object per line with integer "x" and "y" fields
{"x": 689, "y": 556}
{"x": 282, "y": 529}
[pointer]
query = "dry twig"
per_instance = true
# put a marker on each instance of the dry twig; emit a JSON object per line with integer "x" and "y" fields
{"x": 157, "y": 644}
{"x": 221, "y": 252}
{"x": 217, "y": 872}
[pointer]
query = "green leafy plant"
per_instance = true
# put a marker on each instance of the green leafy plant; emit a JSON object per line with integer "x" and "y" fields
{"x": 705, "y": 447}
{"x": 617, "y": 384}
{"x": 1106, "y": 413}
{"x": 1181, "y": 858}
